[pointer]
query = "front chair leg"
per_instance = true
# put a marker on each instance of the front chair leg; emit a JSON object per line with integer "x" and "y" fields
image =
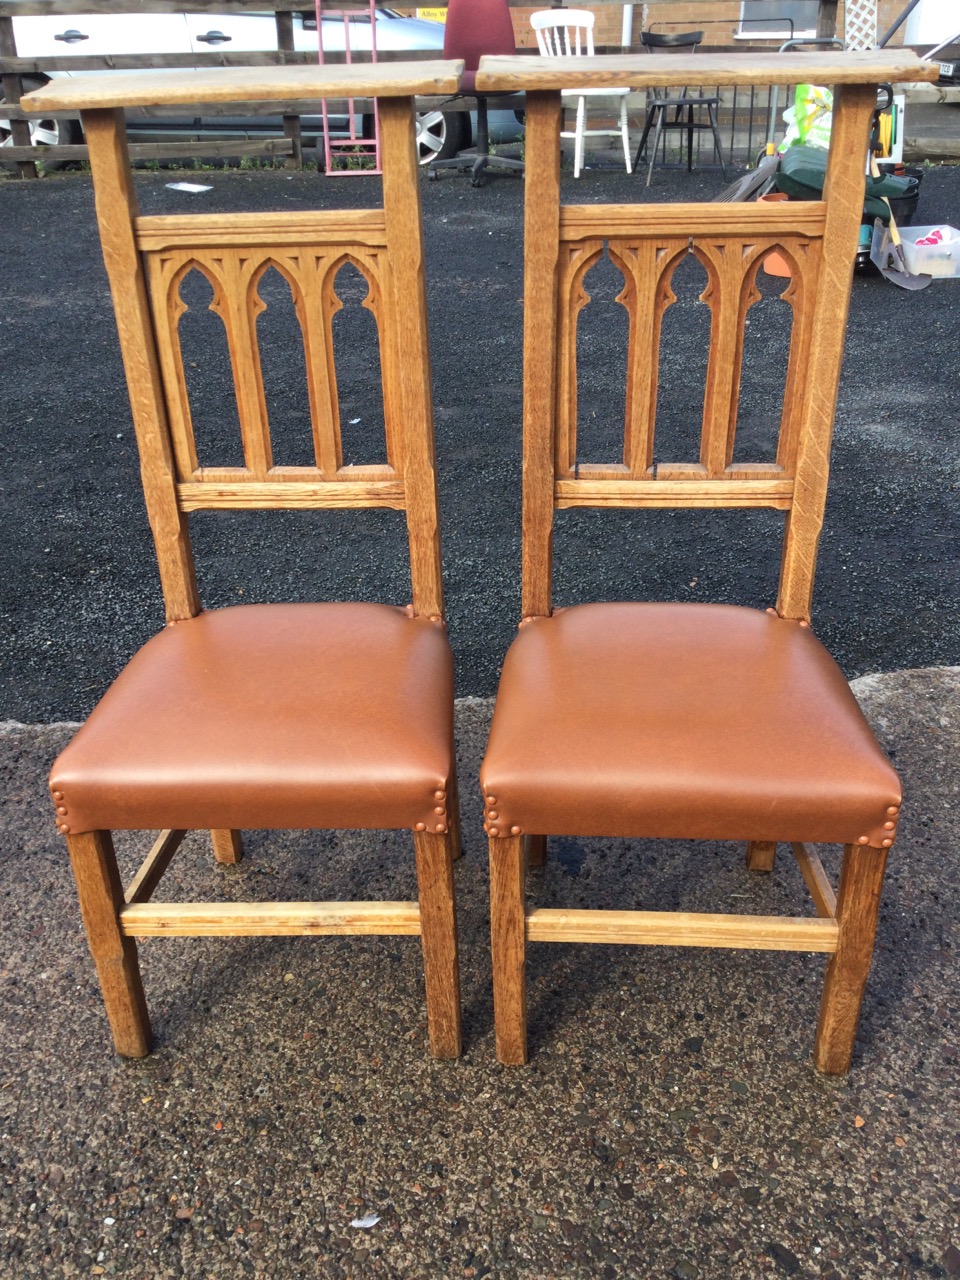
{"x": 438, "y": 938}
{"x": 858, "y": 905}
{"x": 101, "y": 898}
{"x": 508, "y": 945}
{"x": 227, "y": 845}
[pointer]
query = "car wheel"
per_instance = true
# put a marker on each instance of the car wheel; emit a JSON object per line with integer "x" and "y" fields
{"x": 43, "y": 133}
{"x": 441, "y": 135}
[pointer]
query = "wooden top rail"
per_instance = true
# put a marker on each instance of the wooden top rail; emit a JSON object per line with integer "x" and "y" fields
{"x": 643, "y": 71}
{"x": 233, "y": 84}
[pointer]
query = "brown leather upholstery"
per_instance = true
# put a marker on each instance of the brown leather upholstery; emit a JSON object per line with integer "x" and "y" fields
{"x": 279, "y": 715}
{"x": 682, "y": 720}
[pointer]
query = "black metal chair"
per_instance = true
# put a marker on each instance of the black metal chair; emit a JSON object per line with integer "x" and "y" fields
{"x": 687, "y": 110}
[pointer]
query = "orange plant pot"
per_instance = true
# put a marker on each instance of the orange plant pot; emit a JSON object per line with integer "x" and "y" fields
{"x": 774, "y": 263}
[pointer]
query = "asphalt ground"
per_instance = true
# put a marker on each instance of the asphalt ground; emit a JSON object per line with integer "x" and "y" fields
{"x": 669, "y": 1125}
{"x": 78, "y": 585}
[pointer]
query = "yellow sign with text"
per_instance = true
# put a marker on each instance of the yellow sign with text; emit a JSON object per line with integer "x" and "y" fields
{"x": 433, "y": 15}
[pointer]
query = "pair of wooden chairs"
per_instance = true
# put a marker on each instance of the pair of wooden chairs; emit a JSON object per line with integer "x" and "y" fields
{"x": 612, "y": 719}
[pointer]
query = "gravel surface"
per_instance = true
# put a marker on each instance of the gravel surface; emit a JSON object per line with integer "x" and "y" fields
{"x": 77, "y": 575}
{"x": 670, "y": 1123}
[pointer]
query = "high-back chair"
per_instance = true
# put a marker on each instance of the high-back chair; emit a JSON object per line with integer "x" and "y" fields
{"x": 473, "y": 28}
{"x": 568, "y": 33}
{"x": 692, "y": 721}
{"x": 687, "y": 108}
{"x": 327, "y": 715}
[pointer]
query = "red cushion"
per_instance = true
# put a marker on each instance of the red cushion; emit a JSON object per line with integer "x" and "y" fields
{"x": 474, "y": 28}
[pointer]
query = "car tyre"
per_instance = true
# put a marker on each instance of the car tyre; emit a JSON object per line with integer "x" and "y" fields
{"x": 441, "y": 135}
{"x": 43, "y": 133}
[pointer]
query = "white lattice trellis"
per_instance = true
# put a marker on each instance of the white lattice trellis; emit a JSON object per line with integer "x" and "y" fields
{"x": 860, "y": 24}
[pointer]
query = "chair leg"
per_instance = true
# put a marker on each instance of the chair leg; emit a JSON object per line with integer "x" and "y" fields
{"x": 508, "y": 945}
{"x": 438, "y": 939}
{"x": 115, "y": 956}
{"x": 656, "y": 143}
{"x": 578, "y": 140}
{"x": 625, "y": 133}
{"x": 716, "y": 138}
{"x": 761, "y": 855}
{"x": 858, "y": 905}
{"x": 535, "y": 850}
{"x": 643, "y": 137}
{"x": 690, "y": 128}
{"x": 227, "y": 845}
{"x": 453, "y": 813}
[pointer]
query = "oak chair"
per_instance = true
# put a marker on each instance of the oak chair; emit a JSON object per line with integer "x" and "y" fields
{"x": 326, "y": 715}
{"x": 687, "y": 108}
{"x": 568, "y": 33}
{"x": 691, "y": 721}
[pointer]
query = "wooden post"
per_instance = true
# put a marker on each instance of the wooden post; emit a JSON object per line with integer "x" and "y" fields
{"x": 535, "y": 850}
{"x": 541, "y": 250}
{"x": 438, "y": 938}
{"x": 858, "y": 905}
{"x": 761, "y": 855}
{"x": 291, "y": 124}
{"x": 827, "y": 19}
{"x": 101, "y": 898}
{"x": 116, "y": 210}
{"x": 508, "y": 945}
{"x": 227, "y": 846}
{"x": 843, "y": 192}
{"x": 13, "y": 91}
{"x": 410, "y": 367}
{"x": 116, "y": 204}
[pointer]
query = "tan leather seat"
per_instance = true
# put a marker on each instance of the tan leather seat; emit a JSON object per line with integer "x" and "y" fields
{"x": 279, "y": 716}
{"x": 701, "y": 721}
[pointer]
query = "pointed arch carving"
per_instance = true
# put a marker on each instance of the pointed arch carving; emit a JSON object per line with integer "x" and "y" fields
{"x": 235, "y": 275}
{"x": 730, "y": 245}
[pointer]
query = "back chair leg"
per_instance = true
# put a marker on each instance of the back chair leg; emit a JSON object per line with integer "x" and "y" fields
{"x": 508, "y": 945}
{"x": 227, "y": 845}
{"x": 438, "y": 938}
{"x": 858, "y": 905}
{"x": 761, "y": 855}
{"x": 535, "y": 848}
{"x": 579, "y": 139}
{"x": 643, "y": 138}
{"x": 711, "y": 112}
{"x": 625, "y": 133}
{"x": 453, "y": 814}
{"x": 115, "y": 956}
{"x": 652, "y": 151}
